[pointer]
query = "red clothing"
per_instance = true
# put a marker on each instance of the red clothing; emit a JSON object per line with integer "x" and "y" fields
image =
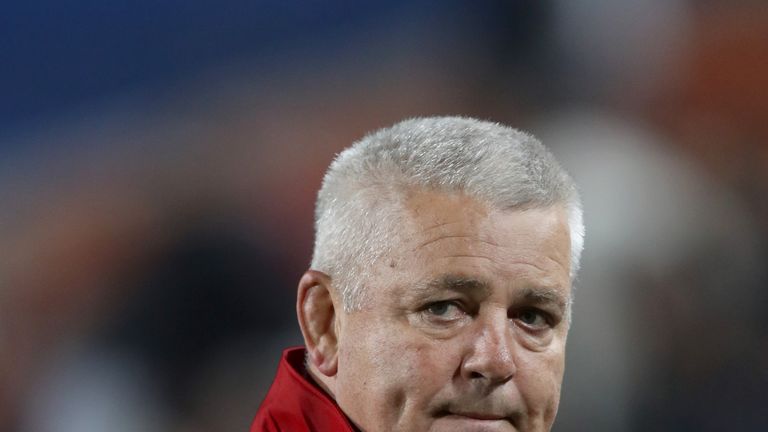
{"x": 296, "y": 404}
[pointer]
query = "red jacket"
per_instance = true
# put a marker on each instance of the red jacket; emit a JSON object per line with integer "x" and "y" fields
{"x": 295, "y": 403}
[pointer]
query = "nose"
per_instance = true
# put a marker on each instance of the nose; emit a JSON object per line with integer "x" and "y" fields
{"x": 491, "y": 356}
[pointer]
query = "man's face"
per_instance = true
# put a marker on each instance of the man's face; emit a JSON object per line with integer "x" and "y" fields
{"x": 466, "y": 325}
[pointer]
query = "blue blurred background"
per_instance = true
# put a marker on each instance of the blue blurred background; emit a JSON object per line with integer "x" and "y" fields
{"x": 159, "y": 162}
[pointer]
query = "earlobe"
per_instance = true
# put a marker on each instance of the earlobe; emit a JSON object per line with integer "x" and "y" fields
{"x": 317, "y": 318}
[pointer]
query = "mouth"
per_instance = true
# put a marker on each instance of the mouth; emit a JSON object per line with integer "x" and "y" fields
{"x": 479, "y": 420}
{"x": 478, "y": 416}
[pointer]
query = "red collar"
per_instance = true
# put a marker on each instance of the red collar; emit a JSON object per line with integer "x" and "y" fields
{"x": 295, "y": 403}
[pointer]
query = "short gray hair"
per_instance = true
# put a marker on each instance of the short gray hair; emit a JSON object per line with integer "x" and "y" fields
{"x": 360, "y": 204}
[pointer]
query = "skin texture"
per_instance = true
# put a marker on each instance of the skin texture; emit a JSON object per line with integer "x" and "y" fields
{"x": 465, "y": 329}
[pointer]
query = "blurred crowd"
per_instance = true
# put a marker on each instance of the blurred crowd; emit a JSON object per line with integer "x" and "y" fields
{"x": 159, "y": 164}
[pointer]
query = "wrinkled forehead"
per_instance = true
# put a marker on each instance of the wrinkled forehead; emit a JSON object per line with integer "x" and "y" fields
{"x": 437, "y": 225}
{"x": 424, "y": 210}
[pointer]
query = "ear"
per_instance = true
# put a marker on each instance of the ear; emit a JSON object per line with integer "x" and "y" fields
{"x": 317, "y": 318}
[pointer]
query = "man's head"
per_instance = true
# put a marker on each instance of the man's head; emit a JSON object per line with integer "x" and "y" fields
{"x": 439, "y": 295}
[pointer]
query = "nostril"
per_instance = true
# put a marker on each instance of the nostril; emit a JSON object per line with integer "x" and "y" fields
{"x": 476, "y": 375}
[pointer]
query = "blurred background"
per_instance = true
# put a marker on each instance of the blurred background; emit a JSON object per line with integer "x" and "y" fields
{"x": 159, "y": 163}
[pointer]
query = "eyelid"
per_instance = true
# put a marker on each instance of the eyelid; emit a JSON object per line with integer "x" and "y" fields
{"x": 550, "y": 319}
{"x": 449, "y": 317}
{"x": 451, "y": 302}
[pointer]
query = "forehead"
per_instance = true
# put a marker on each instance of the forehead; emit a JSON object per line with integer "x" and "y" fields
{"x": 452, "y": 234}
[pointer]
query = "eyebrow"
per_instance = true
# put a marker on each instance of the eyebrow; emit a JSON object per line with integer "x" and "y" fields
{"x": 470, "y": 285}
{"x": 456, "y": 283}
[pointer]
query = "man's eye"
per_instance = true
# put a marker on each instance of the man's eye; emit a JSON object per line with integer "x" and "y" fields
{"x": 532, "y": 318}
{"x": 444, "y": 309}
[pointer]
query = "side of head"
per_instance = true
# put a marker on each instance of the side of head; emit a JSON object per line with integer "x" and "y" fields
{"x": 437, "y": 218}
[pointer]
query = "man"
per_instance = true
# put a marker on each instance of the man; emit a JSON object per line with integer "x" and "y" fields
{"x": 439, "y": 293}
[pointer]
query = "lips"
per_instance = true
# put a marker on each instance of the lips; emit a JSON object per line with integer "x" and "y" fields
{"x": 479, "y": 416}
{"x": 474, "y": 422}
{"x": 490, "y": 415}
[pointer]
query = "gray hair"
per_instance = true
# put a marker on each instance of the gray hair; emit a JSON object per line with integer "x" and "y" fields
{"x": 360, "y": 205}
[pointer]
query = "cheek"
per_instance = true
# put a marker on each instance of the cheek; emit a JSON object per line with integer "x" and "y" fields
{"x": 540, "y": 378}
{"x": 391, "y": 377}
